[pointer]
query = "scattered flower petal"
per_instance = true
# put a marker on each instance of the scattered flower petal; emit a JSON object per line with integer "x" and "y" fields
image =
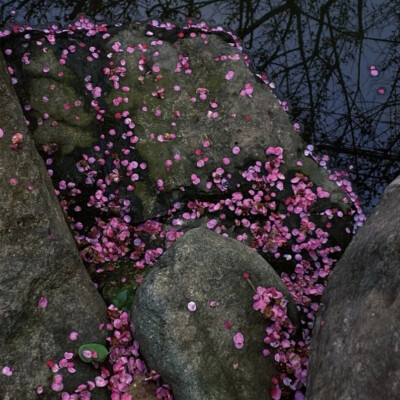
{"x": 238, "y": 340}
{"x": 8, "y": 371}
{"x": 43, "y": 302}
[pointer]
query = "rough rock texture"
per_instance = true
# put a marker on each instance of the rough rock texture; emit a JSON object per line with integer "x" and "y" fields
{"x": 194, "y": 351}
{"x": 356, "y": 343}
{"x": 163, "y": 97}
{"x": 38, "y": 258}
{"x": 150, "y": 131}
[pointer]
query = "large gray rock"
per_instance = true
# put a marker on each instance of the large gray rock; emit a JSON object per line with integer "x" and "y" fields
{"x": 356, "y": 341}
{"x": 145, "y": 123}
{"x": 38, "y": 258}
{"x": 194, "y": 351}
{"x": 166, "y": 96}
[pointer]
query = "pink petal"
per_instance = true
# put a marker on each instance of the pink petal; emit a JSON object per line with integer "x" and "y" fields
{"x": 7, "y": 371}
{"x": 236, "y": 150}
{"x": 57, "y": 387}
{"x": 68, "y": 355}
{"x": 229, "y": 75}
{"x": 43, "y": 302}
{"x": 192, "y": 306}
{"x": 87, "y": 353}
{"x": 275, "y": 392}
{"x": 299, "y": 396}
{"x": 212, "y": 223}
{"x": 100, "y": 382}
{"x": 239, "y": 340}
{"x": 63, "y": 363}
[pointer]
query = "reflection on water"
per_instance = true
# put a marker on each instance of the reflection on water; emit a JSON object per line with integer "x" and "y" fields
{"x": 336, "y": 63}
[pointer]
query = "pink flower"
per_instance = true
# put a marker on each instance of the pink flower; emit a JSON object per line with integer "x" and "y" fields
{"x": 238, "y": 340}
{"x": 191, "y": 306}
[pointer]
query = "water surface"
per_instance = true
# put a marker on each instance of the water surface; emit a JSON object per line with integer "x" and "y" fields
{"x": 335, "y": 62}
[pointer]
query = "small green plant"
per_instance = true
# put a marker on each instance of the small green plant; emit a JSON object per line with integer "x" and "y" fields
{"x": 124, "y": 299}
{"x": 92, "y": 352}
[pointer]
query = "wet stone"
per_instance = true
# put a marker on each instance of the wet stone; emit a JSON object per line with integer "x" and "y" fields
{"x": 188, "y": 340}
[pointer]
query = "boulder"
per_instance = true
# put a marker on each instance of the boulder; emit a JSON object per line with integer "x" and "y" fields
{"x": 189, "y": 339}
{"x": 356, "y": 342}
{"x": 45, "y": 292}
{"x": 168, "y": 119}
{"x": 151, "y": 130}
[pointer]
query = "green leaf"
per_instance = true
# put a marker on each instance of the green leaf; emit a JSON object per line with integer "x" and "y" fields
{"x": 124, "y": 299}
{"x": 93, "y": 347}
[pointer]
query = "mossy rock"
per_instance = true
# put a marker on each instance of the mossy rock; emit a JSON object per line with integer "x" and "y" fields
{"x": 117, "y": 277}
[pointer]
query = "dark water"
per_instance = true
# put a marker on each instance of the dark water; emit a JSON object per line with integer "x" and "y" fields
{"x": 336, "y": 63}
